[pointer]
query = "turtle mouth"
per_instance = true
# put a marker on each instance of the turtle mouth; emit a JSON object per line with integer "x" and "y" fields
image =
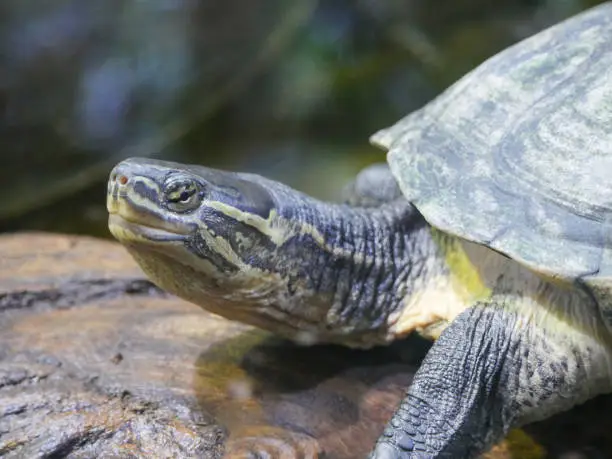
{"x": 126, "y": 229}
{"x": 141, "y": 220}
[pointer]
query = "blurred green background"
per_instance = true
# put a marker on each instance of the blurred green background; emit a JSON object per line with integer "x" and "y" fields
{"x": 287, "y": 88}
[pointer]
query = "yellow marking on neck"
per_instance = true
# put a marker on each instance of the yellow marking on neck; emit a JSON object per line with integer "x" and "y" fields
{"x": 280, "y": 229}
{"x": 277, "y": 228}
{"x": 465, "y": 277}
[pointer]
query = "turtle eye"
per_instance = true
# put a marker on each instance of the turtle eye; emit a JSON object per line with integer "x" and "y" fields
{"x": 185, "y": 195}
{"x": 182, "y": 195}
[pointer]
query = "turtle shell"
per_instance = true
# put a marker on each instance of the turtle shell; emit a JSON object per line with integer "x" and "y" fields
{"x": 517, "y": 154}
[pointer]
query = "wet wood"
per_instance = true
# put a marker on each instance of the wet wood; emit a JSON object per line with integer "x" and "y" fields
{"x": 97, "y": 362}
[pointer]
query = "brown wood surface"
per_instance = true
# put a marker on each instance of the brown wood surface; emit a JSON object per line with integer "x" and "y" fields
{"x": 97, "y": 362}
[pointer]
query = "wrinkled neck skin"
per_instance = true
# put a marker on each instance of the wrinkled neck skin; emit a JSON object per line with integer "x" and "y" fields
{"x": 350, "y": 270}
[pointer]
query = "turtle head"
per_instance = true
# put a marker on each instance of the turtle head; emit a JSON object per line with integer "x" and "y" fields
{"x": 214, "y": 238}
{"x": 192, "y": 228}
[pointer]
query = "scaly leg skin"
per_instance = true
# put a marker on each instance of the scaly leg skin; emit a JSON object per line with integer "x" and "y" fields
{"x": 500, "y": 365}
{"x": 373, "y": 186}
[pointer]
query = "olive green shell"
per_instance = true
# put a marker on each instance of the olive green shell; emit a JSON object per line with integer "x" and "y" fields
{"x": 517, "y": 155}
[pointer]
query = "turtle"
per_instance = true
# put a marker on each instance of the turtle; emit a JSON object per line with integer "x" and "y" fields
{"x": 488, "y": 230}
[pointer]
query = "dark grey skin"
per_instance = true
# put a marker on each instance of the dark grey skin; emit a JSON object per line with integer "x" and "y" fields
{"x": 373, "y": 187}
{"x": 528, "y": 349}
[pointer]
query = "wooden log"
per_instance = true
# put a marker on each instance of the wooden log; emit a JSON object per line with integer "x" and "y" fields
{"x": 97, "y": 362}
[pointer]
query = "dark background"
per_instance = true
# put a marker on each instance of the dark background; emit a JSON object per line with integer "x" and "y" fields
{"x": 288, "y": 88}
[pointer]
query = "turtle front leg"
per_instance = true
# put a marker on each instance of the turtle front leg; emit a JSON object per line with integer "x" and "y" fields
{"x": 499, "y": 365}
{"x": 373, "y": 187}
